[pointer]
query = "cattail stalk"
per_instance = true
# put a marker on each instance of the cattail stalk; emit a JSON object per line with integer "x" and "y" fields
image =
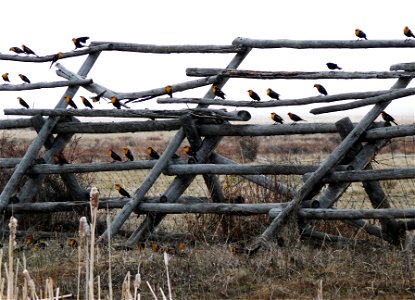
{"x": 151, "y": 290}
{"x": 109, "y": 256}
{"x": 137, "y": 283}
{"x": 166, "y": 264}
{"x": 12, "y": 241}
{"x": 84, "y": 232}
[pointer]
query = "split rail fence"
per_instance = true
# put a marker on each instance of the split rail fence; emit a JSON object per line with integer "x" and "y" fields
{"x": 204, "y": 128}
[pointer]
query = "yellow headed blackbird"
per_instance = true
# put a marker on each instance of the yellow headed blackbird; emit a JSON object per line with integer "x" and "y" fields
{"x": 152, "y": 153}
{"x": 55, "y": 58}
{"x": 16, "y": 50}
{"x": 70, "y": 102}
{"x": 86, "y": 102}
{"x": 60, "y": 159}
{"x": 169, "y": 91}
{"x": 114, "y": 155}
{"x": 155, "y": 247}
{"x": 24, "y": 78}
{"x": 294, "y": 117}
{"x": 5, "y": 77}
{"x": 189, "y": 151}
{"x": 23, "y": 103}
{"x": 73, "y": 243}
{"x": 30, "y": 242}
{"x": 80, "y": 41}
{"x": 253, "y": 95}
{"x": 333, "y": 66}
{"x": 128, "y": 153}
{"x": 98, "y": 97}
{"x": 276, "y": 118}
{"x": 27, "y": 50}
{"x": 388, "y": 118}
{"x": 360, "y": 34}
{"x": 408, "y": 32}
{"x": 273, "y": 95}
{"x": 121, "y": 190}
{"x": 218, "y": 92}
{"x": 321, "y": 89}
{"x": 116, "y": 102}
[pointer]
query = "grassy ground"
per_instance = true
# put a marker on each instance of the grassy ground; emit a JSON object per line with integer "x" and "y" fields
{"x": 364, "y": 267}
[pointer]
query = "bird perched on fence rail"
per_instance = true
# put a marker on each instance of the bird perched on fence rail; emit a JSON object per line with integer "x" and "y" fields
{"x": 5, "y": 77}
{"x": 70, "y": 102}
{"x": 128, "y": 153}
{"x": 218, "y": 92}
{"x": 273, "y": 95}
{"x": 321, "y": 89}
{"x": 276, "y": 118}
{"x": 98, "y": 97}
{"x": 27, "y": 50}
{"x": 254, "y": 95}
{"x": 60, "y": 159}
{"x": 114, "y": 155}
{"x": 16, "y": 50}
{"x": 86, "y": 102}
{"x": 169, "y": 90}
{"x": 121, "y": 190}
{"x": 408, "y": 32}
{"x": 24, "y": 78}
{"x": 23, "y": 103}
{"x": 295, "y": 118}
{"x": 189, "y": 151}
{"x": 80, "y": 41}
{"x": 55, "y": 58}
{"x": 360, "y": 34}
{"x": 116, "y": 102}
{"x": 388, "y": 118}
{"x": 333, "y": 66}
{"x": 152, "y": 154}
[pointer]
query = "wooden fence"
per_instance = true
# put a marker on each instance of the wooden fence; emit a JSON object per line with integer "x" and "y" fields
{"x": 204, "y": 128}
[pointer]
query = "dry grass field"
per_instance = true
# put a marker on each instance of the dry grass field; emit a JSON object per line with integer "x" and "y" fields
{"x": 359, "y": 266}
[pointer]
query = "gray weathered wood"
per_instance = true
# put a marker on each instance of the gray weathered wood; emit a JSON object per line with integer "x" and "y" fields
{"x": 271, "y": 102}
{"x": 331, "y": 161}
{"x": 323, "y": 44}
{"x": 252, "y": 74}
{"x": 241, "y": 115}
{"x": 15, "y": 123}
{"x": 38, "y": 142}
{"x": 403, "y": 67}
{"x": 392, "y": 95}
{"x": 344, "y": 213}
{"x": 390, "y": 132}
{"x": 44, "y": 85}
{"x": 97, "y": 88}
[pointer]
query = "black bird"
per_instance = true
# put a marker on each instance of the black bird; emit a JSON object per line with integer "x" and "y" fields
{"x": 333, "y": 66}
{"x": 218, "y": 92}
{"x": 253, "y": 95}
{"x": 273, "y": 95}
{"x": 86, "y": 102}
{"x": 295, "y": 118}
{"x": 98, "y": 97}
{"x": 276, "y": 118}
{"x": 152, "y": 153}
{"x": 24, "y": 78}
{"x": 169, "y": 90}
{"x": 80, "y": 41}
{"x": 321, "y": 89}
{"x": 70, "y": 102}
{"x": 116, "y": 102}
{"x": 128, "y": 153}
{"x": 23, "y": 103}
{"x": 121, "y": 190}
{"x": 16, "y": 50}
{"x": 55, "y": 58}
{"x": 114, "y": 155}
{"x": 388, "y": 118}
{"x": 27, "y": 50}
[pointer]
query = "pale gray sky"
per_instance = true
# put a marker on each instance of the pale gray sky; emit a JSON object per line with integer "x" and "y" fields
{"x": 48, "y": 27}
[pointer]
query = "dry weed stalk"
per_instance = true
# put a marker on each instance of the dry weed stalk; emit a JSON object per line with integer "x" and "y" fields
{"x": 12, "y": 241}
{"x": 137, "y": 283}
{"x": 84, "y": 233}
{"x": 109, "y": 255}
{"x": 151, "y": 290}
{"x": 166, "y": 264}
{"x": 94, "y": 202}
{"x": 31, "y": 285}
{"x": 126, "y": 294}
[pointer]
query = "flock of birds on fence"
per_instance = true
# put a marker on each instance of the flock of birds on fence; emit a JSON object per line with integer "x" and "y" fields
{"x": 80, "y": 42}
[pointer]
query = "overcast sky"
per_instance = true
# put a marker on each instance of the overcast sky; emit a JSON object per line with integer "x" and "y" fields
{"x": 48, "y": 27}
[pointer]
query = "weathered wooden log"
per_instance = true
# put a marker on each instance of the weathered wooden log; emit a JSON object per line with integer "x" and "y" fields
{"x": 271, "y": 102}
{"x": 332, "y": 160}
{"x": 252, "y": 74}
{"x": 166, "y": 49}
{"x": 392, "y": 95}
{"x": 409, "y": 67}
{"x": 44, "y": 85}
{"x": 390, "y": 132}
{"x": 172, "y": 192}
{"x": 15, "y": 123}
{"x": 241, "y": 115}
{"x": 344, "y": 213}
{"x": 368, "y": 175}
{"x": 323, "y": 44}
{"x": 135, "y": 96}
{"x": 42, "y": 136}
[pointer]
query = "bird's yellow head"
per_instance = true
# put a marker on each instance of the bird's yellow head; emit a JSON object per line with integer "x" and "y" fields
{"x": 5, "y": 75}
{"x": 83, "y": 98}
{"x": 23, "y": 46}
{"x": 273, "y": 115}
{"x": 73, "y": 243}
{"x": 114, "y": 99}
{"x": 125, "y": 149}
{"x": 29, "y": 239}
{"x": 117, "y": 186}
{"x": 19, "y": 98}
{"x": 12, "y": 49}
{"x": 168, "y": 89}
{"x": 149, "y": 150}
{"x": 317, "y": 85}
{"x": 290, "y": 114}
{"x": 67, "y": 99}
{"x": 214, "y": 88}
{"x": 186, "y": 149}
{"x": 268, "y": 91}
{"x": 74, "y": 40}
{"x": 59, "y": 55}
{"x": 110, "y": 151}
{"x": 250, "y": 92}
{"x": 21, "y": 76}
